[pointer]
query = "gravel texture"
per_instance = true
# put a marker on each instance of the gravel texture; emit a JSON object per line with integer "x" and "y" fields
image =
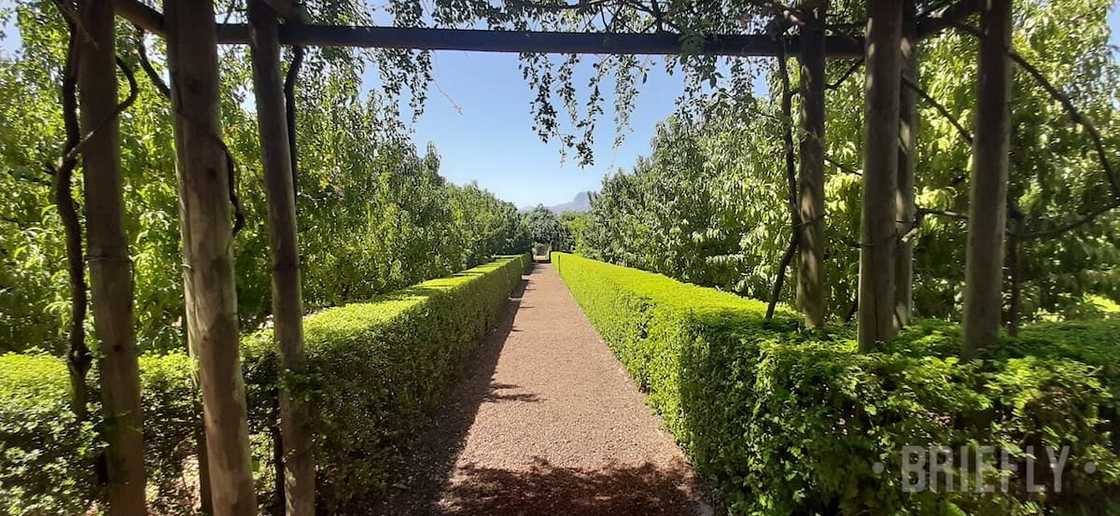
{"x": 546, "y": 421}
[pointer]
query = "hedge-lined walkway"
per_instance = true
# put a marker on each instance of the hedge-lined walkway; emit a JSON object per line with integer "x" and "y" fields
{"x": 547, "y": 422}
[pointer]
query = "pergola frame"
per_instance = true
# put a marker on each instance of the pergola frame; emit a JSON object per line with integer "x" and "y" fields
{"x": 192, "y": 37}
{"x": 548, "y": 42}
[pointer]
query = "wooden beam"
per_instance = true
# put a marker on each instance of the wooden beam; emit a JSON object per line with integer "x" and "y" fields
{"x": 878, "y": 238}
{"x": 141, "y": 15}
{"x": 760, "y": 45}
{"x": 287, "y": 297}
{"x": 109, "y": 265}
{"x": 207, "y": 241}
{"x": 987, "y": 202}
{"x": 811, "y": 285}
{"x": 904, "y": 203}
{"x": 742, "y": 45}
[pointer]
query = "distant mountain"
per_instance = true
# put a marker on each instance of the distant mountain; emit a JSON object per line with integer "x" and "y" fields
{"x": 581, "y": 204}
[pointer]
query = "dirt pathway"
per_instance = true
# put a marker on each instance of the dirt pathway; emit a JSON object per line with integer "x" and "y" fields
{"x": 546, "y": 421}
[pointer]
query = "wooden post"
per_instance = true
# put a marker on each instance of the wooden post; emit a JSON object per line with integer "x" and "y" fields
{"x": 109, "y": 264}
{"x": 987, "y": 211}
{"x": 907, "y": 132}
{"x": 880, "y": 174}
{"x": 287, "y": 301}
{"x": 208, "y": 276}
{"x": 811, "y": 290}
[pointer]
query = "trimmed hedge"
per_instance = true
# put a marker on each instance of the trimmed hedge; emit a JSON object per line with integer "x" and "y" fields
{"x": 39, "y": 439}
{"x": 46, "y": 456}
{"x": 376, "y": 371}
{"x": 780, "y": 420}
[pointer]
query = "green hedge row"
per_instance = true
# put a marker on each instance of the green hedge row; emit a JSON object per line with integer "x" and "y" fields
{"x": 376, "y": 371}
{"x": 784, "y": 421}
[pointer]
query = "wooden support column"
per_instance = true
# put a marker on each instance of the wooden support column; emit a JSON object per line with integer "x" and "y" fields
{"x": 207, "y": 240}
{"x": 287, "y": 301}
{"x": 811, "y": 289}
{"x": 987, "y": 211}
{"x": 907, "y": 132}
{"x": 109, "y": 264}
{"x": 880, "y": 174}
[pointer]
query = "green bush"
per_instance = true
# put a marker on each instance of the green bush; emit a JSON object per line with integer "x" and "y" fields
{"x": 781, "y": 420}
{"x": 378, "y": 369}
{"x": 375, "y": 372}
{"x": 45, "y": 454}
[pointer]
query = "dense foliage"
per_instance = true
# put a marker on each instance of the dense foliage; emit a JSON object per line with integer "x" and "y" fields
{"x": 45, "y": 453}
{"x": 542, "y": 226}
{"x": 708, "y": 205}
{"x": 376, "y": 370}
{"x": 374, "y": 213}
{"x": 782, "y": 421}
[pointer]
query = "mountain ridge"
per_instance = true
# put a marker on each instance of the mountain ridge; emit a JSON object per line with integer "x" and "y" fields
{"x": 580, "y": 204}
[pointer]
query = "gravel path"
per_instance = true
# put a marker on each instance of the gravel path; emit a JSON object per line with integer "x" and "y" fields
{"x": 546, "y": 421}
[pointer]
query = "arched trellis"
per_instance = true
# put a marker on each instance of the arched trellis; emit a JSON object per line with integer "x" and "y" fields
{"x": 192, "y": 37}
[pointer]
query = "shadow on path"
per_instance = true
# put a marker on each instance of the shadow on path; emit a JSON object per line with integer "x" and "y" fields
{"x": 431, "y": 459}
{"x": 544, "y": 421}
{"x": 613, "y": 490}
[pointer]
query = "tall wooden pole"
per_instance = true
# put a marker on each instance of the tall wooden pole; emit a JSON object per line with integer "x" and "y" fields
{"x": 987, "y": 212}
{"x": 109, "y": 264}
{"x": 206, "y": 226}
{"x": 880, "y": 174}
{"x": 907, "y": 132}
{"x": 287, "y": 301}
{"x": 811, "y": 291}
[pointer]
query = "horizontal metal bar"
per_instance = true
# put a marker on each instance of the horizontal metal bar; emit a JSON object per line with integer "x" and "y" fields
{"x": 743, "y": 45}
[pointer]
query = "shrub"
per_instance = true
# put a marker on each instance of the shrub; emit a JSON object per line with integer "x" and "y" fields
{"x": 48, "y": 460}
{"x": 785, "y": 421}
{"x": 45, "y": 454}
{"x": 375, "y": 372}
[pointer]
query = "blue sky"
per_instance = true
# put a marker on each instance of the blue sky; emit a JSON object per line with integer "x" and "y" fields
{"x": 478, "y": 117}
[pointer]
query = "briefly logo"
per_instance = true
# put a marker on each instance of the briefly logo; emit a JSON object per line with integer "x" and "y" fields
{"x": 981, "y": 469}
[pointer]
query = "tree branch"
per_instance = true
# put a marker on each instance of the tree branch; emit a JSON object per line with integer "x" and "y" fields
{"x": 146, "y": 65}
{"x": 290, "y": 111}
{"x": 961, "y": 131}
{"x": 78, "y": 356}
{"x": 1066, "y": 103}
{"x": 847, "y": 73}
{"x": 791, "y": 179}
{"x": 1078, "y": 118}
{"x": 1069, "y": 226}
{"x": 133, "y": 91}
{"x": 843, "y": 168}
{"x": 939, "y": 19}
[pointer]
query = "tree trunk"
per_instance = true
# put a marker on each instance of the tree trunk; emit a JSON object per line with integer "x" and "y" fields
{"x": 811, "y": 291}
{"x": 907, "y": 132}
{"x": 109, "y": 264}
{"x": 208, "y": 276}
{"x": 987, "y": 212}
{"x": 1014, "y": 268}
{"x": 287, "y": 302}
{"x": 205, "y": 498}
{"x": 878, "y": 238}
